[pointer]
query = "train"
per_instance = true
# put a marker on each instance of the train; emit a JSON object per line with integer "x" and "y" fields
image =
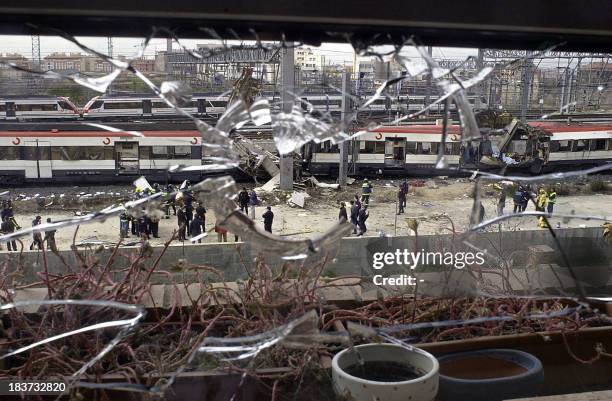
{"x": 130, "y": 105}
{"x": 534, "y": 148}
{"x": 97, "y": 156}
{"x": 37, "y": 107}
{"x": 56, "y": 156}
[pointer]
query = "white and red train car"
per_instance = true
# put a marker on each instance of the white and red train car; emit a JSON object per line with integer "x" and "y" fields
{"x": 96, "y": 156}
{"x": 413, "y": 149}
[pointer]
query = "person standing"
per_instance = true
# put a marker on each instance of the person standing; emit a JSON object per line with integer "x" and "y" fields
{"x": 134, "y": 221}
{"x": 124, "y": 224}
{"x": 268, "y": 218}
{"x": 154, "y": 225}
{"x": 361, "y": 221}
{"x": 525, "y": 197}
{"x": 201, "y": 212}
{"x": 181, "y": 219}
{"x": 50, "y": 238}
{"x": 354, "y": 215}
{"x": 243, "y": 201}
{"x": 552, "y": 199}
{"x": 221, "y": 233}
{"x": 541, "y": 200}
{"x": 404, "y": 188}
{"x": 501, "y": 203}
{"x": 7, "y": 210}
{"x": 143, "y": 226}
{"x": 401, "y": 200}
{"x": 366, "y": 191}
{"x": 357, "y": 202}
{"x": 517, "y": 198}
{"x": 342, "y": 213}
{"x": 253, "y": 202}
{"x": 196, "y": 227}
{"x": 37, "y": 236}
{"x": 8, "y": 227}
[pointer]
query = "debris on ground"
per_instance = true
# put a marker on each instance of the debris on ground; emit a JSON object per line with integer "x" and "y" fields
{"x": 298, "y": 199}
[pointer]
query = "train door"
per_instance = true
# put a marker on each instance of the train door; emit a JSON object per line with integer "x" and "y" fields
{"x": 395, "y": 152}
{"x": 146, "y": 107}
{"x": 201, "y": 106}
{"x": 11, "y": 110}
{"x": 38, "y": 153}
{"x": 127, "y": 158}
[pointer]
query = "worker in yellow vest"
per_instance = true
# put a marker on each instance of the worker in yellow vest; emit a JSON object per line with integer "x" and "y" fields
{"x": 541, "y": 200}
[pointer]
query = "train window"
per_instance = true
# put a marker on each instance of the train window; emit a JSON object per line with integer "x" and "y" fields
{"x": 9, "y": 152}
{"x": 580, "y": 145}
{"x": 565, "y": 146}
{"x": 2, "y": 108}
{"x": 65, "y": 152}
{"x": 182, "y": 151}
{"x": 218, "y": 103}
{"x": 29, "y": 153}
{"x": 145, "y": 152}
{"x": 160, "y": 105}
{"x": 411, "y": 148}
{"x": 377, "y": 147}
{"x": 97, "y": 104}
{"x": 64, "y": 105}
{"x": 427, "y": 148}
{"x": 159, "y": 152}
{"x": 122, "y": 105}
{"x": 96, "y": 153}
{"x": 598, "y": 144}
{"x": 37, "y": 107}
{"x": 452, "y": 148}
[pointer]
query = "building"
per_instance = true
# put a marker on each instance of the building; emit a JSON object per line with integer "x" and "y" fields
{"x": 144, "y": 65}
{"x": 308, "y": 59}
{"x": 9, "y": 73}
{"x": 62, "y": 62}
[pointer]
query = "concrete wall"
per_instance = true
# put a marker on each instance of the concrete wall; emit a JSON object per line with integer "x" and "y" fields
{"x": 584, "y": 247}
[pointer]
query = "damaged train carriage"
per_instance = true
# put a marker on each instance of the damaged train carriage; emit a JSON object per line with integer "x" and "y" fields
{"x": 526, "y": 148}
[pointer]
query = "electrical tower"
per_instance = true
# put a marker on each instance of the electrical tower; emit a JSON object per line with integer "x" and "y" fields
{"x": 36, "y": 64}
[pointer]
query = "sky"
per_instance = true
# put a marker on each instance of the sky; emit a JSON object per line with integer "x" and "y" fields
{"x": 129, "y": 46}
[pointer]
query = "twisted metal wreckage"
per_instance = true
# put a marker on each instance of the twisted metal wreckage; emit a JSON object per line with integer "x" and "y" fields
{"x": 291, "y": 130}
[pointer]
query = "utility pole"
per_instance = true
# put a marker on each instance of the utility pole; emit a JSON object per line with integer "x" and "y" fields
{"x": 428, "y": 82}
{"x": 109, "y": 44}
{"x": 288, "y": 80}
{"x": 344, "y": 146}
{"x": 167, "y": 59}
{"x": 527, "y": 72}
{"x": 481, "y": 86}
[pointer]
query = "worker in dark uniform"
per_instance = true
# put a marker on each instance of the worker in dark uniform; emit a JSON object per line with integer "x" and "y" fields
{"x": 243, "y": 201}
{"x": 401, "y": 201}
{"x": 182, "y": 223}
{"x": 268, "y": 217}
{"x": 143, "y": 226}
{"x": 361, "y": 221}
{"x": 342, "y": 213}
{"x": 37, "y": 236}
{"x": 50, "y": 238}
{"x": 8, "y": 227}
{"x": 200, "y": 211}
{"x": 195, "y": 227}
{"x": 154, "y": 225}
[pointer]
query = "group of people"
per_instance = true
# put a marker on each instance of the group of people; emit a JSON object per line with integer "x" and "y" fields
{"x": 9, "y": 225}
{"x": 544, "y": 200}
{"x": 358, "y": 217}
